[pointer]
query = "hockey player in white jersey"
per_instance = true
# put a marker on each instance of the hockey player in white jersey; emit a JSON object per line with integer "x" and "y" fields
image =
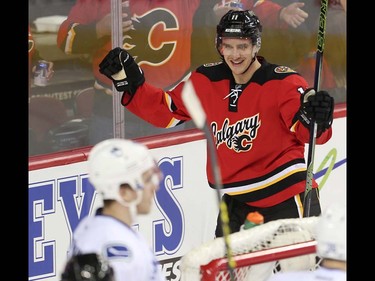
{"x": 125, "y": 174}
{"x": 331, "y": 247}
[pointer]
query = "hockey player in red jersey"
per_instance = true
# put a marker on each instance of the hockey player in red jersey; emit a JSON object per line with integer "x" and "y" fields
{"x": 259, "y": 114}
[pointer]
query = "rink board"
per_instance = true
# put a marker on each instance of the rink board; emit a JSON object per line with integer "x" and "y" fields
{"x": 185, "y": 210}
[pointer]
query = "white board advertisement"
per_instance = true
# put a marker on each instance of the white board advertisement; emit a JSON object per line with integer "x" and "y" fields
{"x": 185, "y": 210}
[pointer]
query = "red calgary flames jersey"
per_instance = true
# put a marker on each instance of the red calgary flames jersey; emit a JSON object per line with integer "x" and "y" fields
{"x": 260, "y": 146}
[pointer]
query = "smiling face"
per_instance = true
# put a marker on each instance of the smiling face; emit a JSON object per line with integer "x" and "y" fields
{"x": 238, "y": 53}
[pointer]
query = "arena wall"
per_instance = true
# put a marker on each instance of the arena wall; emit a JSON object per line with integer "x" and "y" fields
{"x": 185, "y": 211}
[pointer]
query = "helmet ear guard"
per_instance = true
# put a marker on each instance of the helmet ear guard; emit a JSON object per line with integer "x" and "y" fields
{"x": 239, "y": 24}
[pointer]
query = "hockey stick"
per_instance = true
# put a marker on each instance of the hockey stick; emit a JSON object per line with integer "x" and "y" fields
{"x": 313, "y": 125}
{"x": 198, "y": 115}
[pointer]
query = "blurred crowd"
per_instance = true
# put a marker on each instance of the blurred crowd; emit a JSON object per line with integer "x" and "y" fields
{"x": 168, "y": 40}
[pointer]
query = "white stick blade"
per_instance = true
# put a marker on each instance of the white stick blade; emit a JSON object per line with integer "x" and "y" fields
{"x": 193, "y": 104}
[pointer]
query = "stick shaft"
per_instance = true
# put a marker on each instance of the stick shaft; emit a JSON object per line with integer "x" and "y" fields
{"x": 313, "y": 125}
{"x": 198, "y": 115}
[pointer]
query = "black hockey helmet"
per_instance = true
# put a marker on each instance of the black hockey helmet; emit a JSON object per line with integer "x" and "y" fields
{"x": 239, "y": 24}
{"x": 87, "y": 267}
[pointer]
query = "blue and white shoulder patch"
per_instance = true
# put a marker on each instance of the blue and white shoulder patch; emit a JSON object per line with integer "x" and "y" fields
{"x": 283, "y": 69}
{"x": 115, "y": 251}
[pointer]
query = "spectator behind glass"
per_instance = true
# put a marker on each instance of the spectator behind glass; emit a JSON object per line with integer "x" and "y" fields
{"x": 270, "y": 13}
{"x": 334, "y": 70}
{"x": 331, "y": 247}
{"x": 158, "y": 33}
{"x": 34, "y": 58}
{"x": 303, "y": 40}
{"x": 278, "y": 18}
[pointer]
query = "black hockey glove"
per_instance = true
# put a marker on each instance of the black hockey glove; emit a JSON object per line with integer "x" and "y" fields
{"x": 317, "y": 106}
{"x": 119, "y": 66}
